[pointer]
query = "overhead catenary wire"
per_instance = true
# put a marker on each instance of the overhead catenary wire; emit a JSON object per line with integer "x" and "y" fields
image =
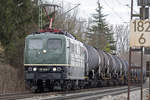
{"x": 119, "y": 2}
{"x": 71, "y": 9}
{"x": 126, "y": 5}
{"x": 114, "y": 11}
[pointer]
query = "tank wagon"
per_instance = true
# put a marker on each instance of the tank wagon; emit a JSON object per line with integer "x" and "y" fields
{"x": 56, "y": 60}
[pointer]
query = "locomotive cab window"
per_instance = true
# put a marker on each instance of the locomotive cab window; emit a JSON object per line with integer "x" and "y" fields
{"x": 54, "y": 44}
{"x": 35, "y": 44}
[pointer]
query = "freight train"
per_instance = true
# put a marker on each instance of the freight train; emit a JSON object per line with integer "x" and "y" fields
{"x": 54, "y": 59}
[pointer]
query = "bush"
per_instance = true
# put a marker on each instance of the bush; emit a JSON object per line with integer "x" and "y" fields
{"x": 14, "y": 53}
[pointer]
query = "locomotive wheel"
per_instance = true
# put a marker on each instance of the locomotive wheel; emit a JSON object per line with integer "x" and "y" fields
{"x": 81, "y": 85}
{"x": 122, "y": 83}
{"x": 105, "y": 83}
{"x": 67, "y": 86}
{"x": 36, "y": 91}
{"x": 110, "y": 83}
{"x": 116, "y": 82}
{"x": 102, "y": 83}
{"x": 74, "y": 86}
{"x": 99, "y": 84}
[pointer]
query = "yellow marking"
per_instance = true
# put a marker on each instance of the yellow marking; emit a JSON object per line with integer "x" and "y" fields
{"x": 66, "y": 65}
{"x": 76, "y": 77}
{"x": 86, "y": 77}
{"x": 122, "y": 77}
{"x": 136, "y": 78}
{"x": 46, "y": 65}
{"x": 106, "y": 78}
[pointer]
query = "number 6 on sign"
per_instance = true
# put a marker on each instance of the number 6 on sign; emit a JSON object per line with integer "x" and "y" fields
{"x": 142, "y": 40}
{"x": 140, "y": 33}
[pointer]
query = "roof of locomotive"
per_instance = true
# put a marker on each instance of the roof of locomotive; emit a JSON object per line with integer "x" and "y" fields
{"x": 44, "y": 35}
{"x": 49, "y": 32}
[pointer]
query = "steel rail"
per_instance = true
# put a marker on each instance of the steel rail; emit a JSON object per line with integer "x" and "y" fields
{"x": 30, "y": 94}
{"x": 59, "y": 95}
{"x": 93, "y": 95}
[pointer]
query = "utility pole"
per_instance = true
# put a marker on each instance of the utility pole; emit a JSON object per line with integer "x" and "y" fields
{"x": 40, "y": 14}
{"x": 149, "y": 78}
{"x": 142, "y": 17}
{"x": 51, "y": 20}
{"x": 142, "y": 11}
{"x": 144, "y": 14}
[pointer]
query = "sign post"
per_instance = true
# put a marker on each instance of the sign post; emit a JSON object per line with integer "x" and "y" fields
{"x": 139, "y": 38}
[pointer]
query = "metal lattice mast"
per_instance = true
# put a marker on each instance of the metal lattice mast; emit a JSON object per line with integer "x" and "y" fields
{"x": 40, "y": 15}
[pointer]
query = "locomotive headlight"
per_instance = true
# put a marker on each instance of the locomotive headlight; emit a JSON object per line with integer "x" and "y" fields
{"x": 44, "y": 51}
{"x": 30, "y": 69}
{"x": 59, "y": 69}
{"x": 34, "y": 69}
{"x": 54, "y": 69}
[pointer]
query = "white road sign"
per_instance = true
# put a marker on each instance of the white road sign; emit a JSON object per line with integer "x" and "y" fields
{"x": 140, "y": 33}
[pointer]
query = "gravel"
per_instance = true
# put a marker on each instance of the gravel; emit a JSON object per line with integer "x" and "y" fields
{"x": 135, "y": 95}
{"x": 39, "y": 97}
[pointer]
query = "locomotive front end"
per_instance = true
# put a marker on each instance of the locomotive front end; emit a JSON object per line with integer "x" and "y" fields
{"x": 45, "y": 60}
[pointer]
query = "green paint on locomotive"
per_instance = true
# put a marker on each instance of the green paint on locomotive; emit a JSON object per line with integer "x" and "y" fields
{"x": 45, "y": 48}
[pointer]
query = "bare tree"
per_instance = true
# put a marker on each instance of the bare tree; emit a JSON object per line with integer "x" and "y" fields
{"x": 70, "y": 22}
{"x": 122, "y": 41}
{"x": 66, "y": 18}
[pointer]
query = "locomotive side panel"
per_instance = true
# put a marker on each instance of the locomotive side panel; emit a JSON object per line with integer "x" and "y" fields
{"x": 76, "y": 60}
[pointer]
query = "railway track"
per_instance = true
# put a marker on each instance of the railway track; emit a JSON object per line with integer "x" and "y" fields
{"x": 91, "y": 95}
{"x": 83, "y": 94}
{"x": 14, "y": 96}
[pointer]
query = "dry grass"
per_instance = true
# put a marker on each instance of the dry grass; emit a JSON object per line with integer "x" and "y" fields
{"x": 10, "y": 81}
{"x": 1, "y": 48}
{"x": 136, "y": 58}
{"x": 2, "y": 55}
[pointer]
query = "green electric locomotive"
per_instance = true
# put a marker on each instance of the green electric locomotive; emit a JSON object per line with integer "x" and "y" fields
{"x": 53, "y": 61}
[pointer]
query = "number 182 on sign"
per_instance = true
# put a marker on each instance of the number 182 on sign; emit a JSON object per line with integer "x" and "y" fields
{"x": 140, "y": 33}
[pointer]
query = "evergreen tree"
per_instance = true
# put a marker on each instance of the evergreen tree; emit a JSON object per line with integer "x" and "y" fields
{"x": 17, "y": 20}
{"x": 100, "y": 34}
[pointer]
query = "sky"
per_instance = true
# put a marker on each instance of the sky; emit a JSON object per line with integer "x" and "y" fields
{"x": 117, "y": 11}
